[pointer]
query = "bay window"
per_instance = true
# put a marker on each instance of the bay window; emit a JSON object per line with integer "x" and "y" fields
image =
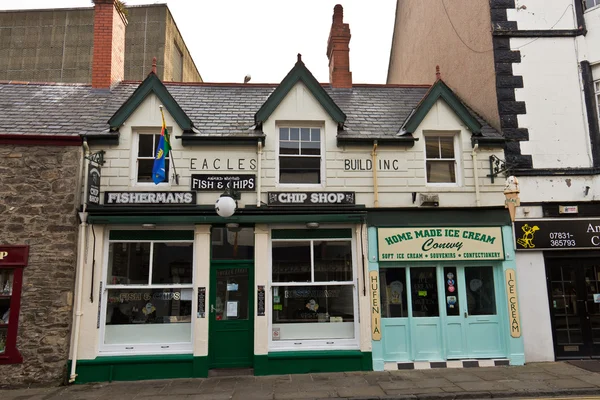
{"x": 148, "y": 297}
{"x": 313, "y": 287}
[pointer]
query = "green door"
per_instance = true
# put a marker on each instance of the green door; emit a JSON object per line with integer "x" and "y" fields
{"x": 231, "y": 313}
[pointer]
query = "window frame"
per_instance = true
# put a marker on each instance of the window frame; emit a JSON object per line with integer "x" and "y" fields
{"x": 135, "y": 148}
{"x": 314, "y": 344}
{"x": 11, "y": 354}
{"x": 586, "y": 7}
{"x": 457, "y": 158}
{"x": 143, "y": 348}
{"x": 322, "y": 169}
{"x": 597, "y": 93}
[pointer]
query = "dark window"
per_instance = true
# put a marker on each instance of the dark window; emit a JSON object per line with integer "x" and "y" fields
{"x": 232, "y": 244}
{"x": 145, "y": 159}
{"x": 423, "y": 286}
{"x": 299, "y": 155}
{"x": 481, "y": 296}
{"x": 440, "y": 159}
{"x": 451, "y": 289}
{"x": 393, "y": 293}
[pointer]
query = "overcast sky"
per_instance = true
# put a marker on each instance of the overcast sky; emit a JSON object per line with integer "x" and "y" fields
{"x": 231, "y": 38}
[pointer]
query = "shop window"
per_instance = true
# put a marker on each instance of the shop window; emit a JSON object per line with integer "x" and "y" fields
{"x": 440, "y": 159}
{"x": 147, "y": 144}
{"x": 313, "y": 293}
{"x": 232, "y": 244}
{"x": 12, "y": 261}
{"x": 393, "y": 295}
{"x": 300, "y": 155}
{"x": 148, "y": 305}
{"x": 481, "y": 296}
{"x": 424, "y": 294}
{"x": 451, "y": 289}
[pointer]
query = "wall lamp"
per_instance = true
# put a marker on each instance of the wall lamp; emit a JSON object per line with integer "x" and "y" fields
{"x": 227, "y": 204}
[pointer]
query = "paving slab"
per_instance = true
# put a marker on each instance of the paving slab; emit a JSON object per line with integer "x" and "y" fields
{"x": 366, "y": 391}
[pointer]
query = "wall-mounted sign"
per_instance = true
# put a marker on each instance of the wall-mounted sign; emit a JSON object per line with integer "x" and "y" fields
{"x": 513, "y": 303}
{"x": 149, "y": 198}
{"x": 309, "y": 198}
{"x": 221, "y": 164}
{"x": 14, "y": 255}
{"x": 375, "y": 307}
{"x": 448, "y": 243}
{"x": 366, "y": 164}
{"x": 208, "y": 183}
{"x": 201, "y": 302}
{"x": 93, "y": 189}
{"x": 557, "y": 234}
{"x": 568, "y": 209}
{"x": 260, "y": 300}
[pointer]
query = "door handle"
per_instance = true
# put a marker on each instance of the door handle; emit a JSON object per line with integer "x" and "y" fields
{"x": 466, "y": 314}
{"x": 212, "y": 308}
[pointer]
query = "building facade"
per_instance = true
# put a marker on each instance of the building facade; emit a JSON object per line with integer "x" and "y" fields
{"x": 545, "y": 84}
{"x": 56, "y": 45}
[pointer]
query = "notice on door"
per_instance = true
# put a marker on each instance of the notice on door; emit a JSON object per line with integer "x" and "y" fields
{"x": 375, "y": 308}
{"x": 448, "y": 243}
{"x": 513, "y": 303}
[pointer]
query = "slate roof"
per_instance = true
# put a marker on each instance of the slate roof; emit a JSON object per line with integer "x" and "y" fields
{"x": 215, "y": 109}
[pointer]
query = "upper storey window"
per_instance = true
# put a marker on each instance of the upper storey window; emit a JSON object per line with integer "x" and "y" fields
{"x": 440, "y": 159}
{"x": 145, "y": 158}
{"x": 300, "y": 155}
{"x": 597, "y": 86}
{"x": 591, "y": 3}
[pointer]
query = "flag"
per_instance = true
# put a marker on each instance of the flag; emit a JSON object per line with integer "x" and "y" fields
{"x": 162, "y": 150}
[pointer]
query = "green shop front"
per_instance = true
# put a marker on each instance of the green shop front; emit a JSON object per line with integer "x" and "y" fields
{"x": 443, "y": 290}
{"x": 172, "y": 290}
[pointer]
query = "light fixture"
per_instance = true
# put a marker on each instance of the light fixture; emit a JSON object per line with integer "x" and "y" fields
{"x": 148, "y": 226}
{"x": 233, "y": 227}
{"x": 312, "y": 225}
{"x": 226, "y": 204}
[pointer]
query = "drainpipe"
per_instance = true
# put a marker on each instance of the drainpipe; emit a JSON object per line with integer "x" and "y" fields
{"x": 476, "y": 174}
{"x": 259, "y": 167}
{"x": 81, "y": 263}
{"x": 374, "y": 160}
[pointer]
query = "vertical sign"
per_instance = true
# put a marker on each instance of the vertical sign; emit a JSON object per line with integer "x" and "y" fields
{"x": 513, "y": 303}
{"x": 260, "y": 305}
{"x": 375, "y": 308}
{"x": 201, "y": 302}
{"x": 93, "y": 189}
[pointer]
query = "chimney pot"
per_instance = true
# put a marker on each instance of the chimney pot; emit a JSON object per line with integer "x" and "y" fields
{"x": 338, "y": 51}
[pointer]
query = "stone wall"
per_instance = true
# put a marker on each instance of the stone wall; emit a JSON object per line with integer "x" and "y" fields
{"x": 37, "y": 207}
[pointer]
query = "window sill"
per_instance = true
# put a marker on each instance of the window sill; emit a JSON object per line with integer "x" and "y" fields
{"x": 327, "y": 354}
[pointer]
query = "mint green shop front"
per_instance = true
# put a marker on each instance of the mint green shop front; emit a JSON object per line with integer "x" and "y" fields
{"x": 444, "y": 311}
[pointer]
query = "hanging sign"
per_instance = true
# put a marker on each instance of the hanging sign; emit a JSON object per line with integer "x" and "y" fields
{"x": 214, "y": 183}
{"x": 260, "y": 300}
{"x": 149, "y": 198}
{"x": 201, "y": 302}
{"x": 557, "y": 234}
{"x": 513, "y": 303}
{"x": 449, "y": 243}
{"x": 309, "y": 198}
{"x": 375, "y": 307}
{"x": 93, "y": 189}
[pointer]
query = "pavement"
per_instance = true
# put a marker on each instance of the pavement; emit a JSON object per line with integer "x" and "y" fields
{"x": 555, "y": 379}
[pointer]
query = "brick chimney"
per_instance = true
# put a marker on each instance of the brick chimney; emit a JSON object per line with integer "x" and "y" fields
{"x": 338, "y": 51}
{"x": 108, "y": 62}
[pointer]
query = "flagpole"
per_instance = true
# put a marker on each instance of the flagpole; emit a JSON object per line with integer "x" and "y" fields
{"x": 170, "y": 149}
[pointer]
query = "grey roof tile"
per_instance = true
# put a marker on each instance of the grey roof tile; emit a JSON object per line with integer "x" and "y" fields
{"x": 215, "y": 109}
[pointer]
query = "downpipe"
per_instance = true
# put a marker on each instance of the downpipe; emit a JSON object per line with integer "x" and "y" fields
{"x": 476, "y": 174}
{"x": 80, "y": 263}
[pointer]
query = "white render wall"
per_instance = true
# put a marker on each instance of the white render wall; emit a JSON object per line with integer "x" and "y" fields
{"x": 590, "y": 44}
{"x": 300, "y": 108}
{"x": 546, "y": 14}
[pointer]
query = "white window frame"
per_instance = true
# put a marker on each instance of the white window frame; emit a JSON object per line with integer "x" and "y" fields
{"x": 597, "y": 3}
{"x": 315, "y": 344}
{"x": 457, "y": 158}
{"x": 316, "y": 125}
{"x": 597, "y": 91}
{"x": 137, "y": 348}
{"x": 134, "y": 159}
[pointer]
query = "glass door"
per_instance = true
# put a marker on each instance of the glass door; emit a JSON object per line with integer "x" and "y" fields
{"x": 591, "y": 323}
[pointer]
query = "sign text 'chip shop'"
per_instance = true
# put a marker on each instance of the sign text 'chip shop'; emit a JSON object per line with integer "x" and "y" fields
{"x": 450, "y": 243}
{"x": 310, "y": 198}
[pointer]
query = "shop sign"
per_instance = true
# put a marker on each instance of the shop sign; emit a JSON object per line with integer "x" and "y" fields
{"x": 557, "y": 234}
{"x": 310, "y": 198}
{"x": 375, "y": 306}
{"x": 208, "y": 183}
{"x": 201, "y": 313}
{"x": 513, "y": 303}
{"x": 448, "y": 243}
{"x": 149, "y": 198}
{"x": 14, "y": 255}
{"x": 260, "y": 296}
{"x": 93, "y": 189}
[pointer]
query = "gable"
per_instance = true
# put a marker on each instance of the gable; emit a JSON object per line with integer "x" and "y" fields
{"x": 151, "y": 84}
{"x": 440, "y": 91}
{"x": 299, "y": 104}
{"x": 299, "y": 74}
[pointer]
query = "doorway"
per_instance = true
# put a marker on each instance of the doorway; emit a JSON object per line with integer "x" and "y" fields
{"x": 231, "y": 315}
{"x": 574, "y": 297}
